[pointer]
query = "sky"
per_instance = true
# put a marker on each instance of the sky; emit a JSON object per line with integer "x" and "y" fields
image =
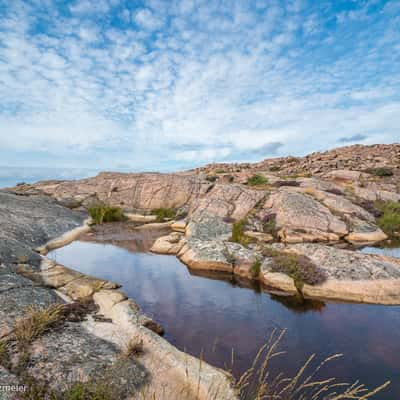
{"x": 167, "y": 85}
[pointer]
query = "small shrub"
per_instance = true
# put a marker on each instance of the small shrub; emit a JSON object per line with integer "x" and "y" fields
{"x": 286, "y": 183}
{"x": 335, "y": 191}
{"x": 255, "y": 269}
{"x": 238, "y": 235}
{"x": 389, "y": 221}
{"x": 164, "y": 213}
{"x": 269, "y": 224}
{"x": 382, "y": 171}
{"x": 257, "y": 180}
{"x": 220, "y": 171}
{"x": 101, "y": 213}
{"x": 211, "y": 178}
{"x": 275, "y": 168}
{"x": 370, "y": 207}
{"x": 298, "y": 267}
{"x": 293, "y": 160}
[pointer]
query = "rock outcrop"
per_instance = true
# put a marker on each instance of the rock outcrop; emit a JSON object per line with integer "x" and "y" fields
{"x": 88, "y": 348}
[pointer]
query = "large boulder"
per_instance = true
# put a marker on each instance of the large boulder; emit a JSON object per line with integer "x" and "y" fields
{"x": 301, "y": 218}
{"x": 27, "y": 222}
{"x": 143, "y": 192}
{"x": 233, "y": 201}
{"x": 352, "y": 275}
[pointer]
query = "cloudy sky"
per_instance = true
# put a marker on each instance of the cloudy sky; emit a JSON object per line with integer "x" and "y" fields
{"x": 164, "y": 85}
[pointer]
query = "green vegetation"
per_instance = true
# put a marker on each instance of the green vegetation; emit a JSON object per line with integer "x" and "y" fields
{"x": 102, "y": 213}
{"x": 275, "y": 168}
{"x": 220, "y": 171}
{"x": 298, "y": 267}
{"x": 4, "y": 355}
{"x": 382, "y": 171}
{"x": 389, "y": 221}
{"x": 164, "y": 214}
{"x": 255, "y": 269}
{"x": 211, "y": 178}
{"x": 238, "y": 235}
{"x": 257, "y": 180}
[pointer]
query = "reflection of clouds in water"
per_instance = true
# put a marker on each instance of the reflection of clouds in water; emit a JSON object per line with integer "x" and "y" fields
{"x": 385, "y": 251}
{"x": 198, "y": 314}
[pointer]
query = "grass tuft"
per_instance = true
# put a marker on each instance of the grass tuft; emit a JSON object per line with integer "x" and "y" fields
{"x": 238, "y": 235}
{"x": 257, "y": 180}
{"x": 36, "y": 322}
{"x": 102, "y": 213}
{"x": 133, "y": 349}
{"x": 389, "y": 221}
{"x": 255, "y": 269}
{"x": 163, "y": 214}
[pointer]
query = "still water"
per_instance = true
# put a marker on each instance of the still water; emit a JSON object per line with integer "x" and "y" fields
{"x": 212, "y": 317}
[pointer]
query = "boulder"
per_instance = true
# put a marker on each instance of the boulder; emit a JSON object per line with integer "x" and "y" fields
{"x": 302, "y": 218}
{"x": 170, "y": 244}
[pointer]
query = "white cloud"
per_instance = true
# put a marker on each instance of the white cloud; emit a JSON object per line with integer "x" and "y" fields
{"x": 193, "y": 82}
{"x": 146, "y": 19}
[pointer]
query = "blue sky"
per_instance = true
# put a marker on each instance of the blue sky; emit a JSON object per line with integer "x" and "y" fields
{"x": 164, "y": 85}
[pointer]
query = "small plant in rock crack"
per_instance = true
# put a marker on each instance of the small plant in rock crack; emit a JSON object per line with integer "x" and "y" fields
{"x": 255, "y": 269}
{"x": 134, "y": 348}
{"x": 36, "y": 322}
{"x": 269, "y": 224}
{"x": 163, "y": 214}
{"x": 238, "y": 235}
{"x": 101, "y": 213}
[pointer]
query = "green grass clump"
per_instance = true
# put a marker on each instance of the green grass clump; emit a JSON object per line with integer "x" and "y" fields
{"x": 164, "y": 213}
{"x": 382, "y": 171}
{"x": 255, "y": 269}
{"x": 101, "y": 213}
{"x": 274, "y": 168}
{"x": 298, "y": 267}
{"x": 238, "y": 235}
{"x": 257, "y": 180}
{"x": 389, "y": 222}
{"x": 220, "y": 171}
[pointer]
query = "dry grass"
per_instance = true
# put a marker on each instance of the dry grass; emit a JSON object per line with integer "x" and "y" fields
{"x": 134, "y": 348}
{"x": 257, "y": 383}
{"x": 36, "y": 322}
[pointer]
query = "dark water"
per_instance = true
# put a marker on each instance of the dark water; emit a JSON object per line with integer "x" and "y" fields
{"x": 212, "y": 316}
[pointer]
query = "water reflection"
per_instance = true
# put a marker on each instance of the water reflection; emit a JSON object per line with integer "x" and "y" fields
{"x": 214, "y": 314}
